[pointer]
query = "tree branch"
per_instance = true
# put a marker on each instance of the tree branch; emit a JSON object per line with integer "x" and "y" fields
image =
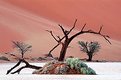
{"x": 71, "y": 38}
{"x": 17, "y": 44}
{"x": 74, "y": 25}
{"x": 93, "y": 32}
{"x": 83, "y": 27}
{"x": 100, "y": 29}
{"x": 18, "y": 71}
{"x": 60, "y": 39}
{"x": 26, "y": 66}
{"x": 13, "y": 67}
{"x": 53, "y": 48}
{"x": 52, "y": 35}
{"x": 64, "y": 31}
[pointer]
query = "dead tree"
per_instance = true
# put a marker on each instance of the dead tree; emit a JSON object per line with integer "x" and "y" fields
{"x": 27, "y": 65}
{"x": 66, "y": 40}
{"x": 22, "y": 48}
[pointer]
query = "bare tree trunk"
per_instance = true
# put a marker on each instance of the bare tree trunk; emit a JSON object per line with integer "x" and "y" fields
{"x": 22, "y": 54}
{"x": 63, "y": 50}
{"x": 89, "y": 57}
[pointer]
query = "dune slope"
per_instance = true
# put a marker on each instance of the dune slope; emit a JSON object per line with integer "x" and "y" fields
{"x": 17, "y": 23}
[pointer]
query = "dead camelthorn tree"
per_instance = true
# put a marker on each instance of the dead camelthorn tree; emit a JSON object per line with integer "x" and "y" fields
{"x": 66, "y": 40}
{"x": 90, "y": 48}
{"x": 22, "y": 48}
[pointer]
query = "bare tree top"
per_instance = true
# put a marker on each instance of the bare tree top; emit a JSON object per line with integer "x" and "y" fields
{"x": 21, "y": 47}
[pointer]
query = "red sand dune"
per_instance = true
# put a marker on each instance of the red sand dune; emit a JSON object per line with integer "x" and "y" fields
{"x": 27, "y": 20}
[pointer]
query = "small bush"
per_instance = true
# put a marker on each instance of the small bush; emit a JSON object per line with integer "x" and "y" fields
{"x": 4, "y": 58}
{"x": 75, "y": 63}
{"x": 72, "y": 62}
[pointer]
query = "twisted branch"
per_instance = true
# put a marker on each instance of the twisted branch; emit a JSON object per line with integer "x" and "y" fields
{"x": 93, "y": 32}
{"x": 60, "y": 39}
{"x": 52, "y": 35}
{"x": 26, "y": 66}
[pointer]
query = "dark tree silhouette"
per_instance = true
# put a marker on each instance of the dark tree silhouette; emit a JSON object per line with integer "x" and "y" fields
{"x": 66, "y": 40}
{"x": 89, "y": 48}
{"x": 22, "y": 48}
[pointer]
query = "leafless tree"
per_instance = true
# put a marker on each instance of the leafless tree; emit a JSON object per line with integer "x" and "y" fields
{"x": 66, "y": 40}
{"x": 91, "y": 48}
{"x": 22, "y": 48}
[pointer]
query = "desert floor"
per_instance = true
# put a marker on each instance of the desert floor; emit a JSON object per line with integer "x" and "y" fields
{"x": 105, "y": 71}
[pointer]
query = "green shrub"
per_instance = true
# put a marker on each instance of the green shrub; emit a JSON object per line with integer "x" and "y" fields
{"x": 72, "y": 62}
{"x": 83, "y": 70}
{"x": 82, "y": 64}
{"x": 91, "y": 71}
{"x": 76, "y": 63}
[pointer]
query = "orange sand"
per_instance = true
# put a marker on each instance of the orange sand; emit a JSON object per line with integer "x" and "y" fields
{"x": 27, "y": 20}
